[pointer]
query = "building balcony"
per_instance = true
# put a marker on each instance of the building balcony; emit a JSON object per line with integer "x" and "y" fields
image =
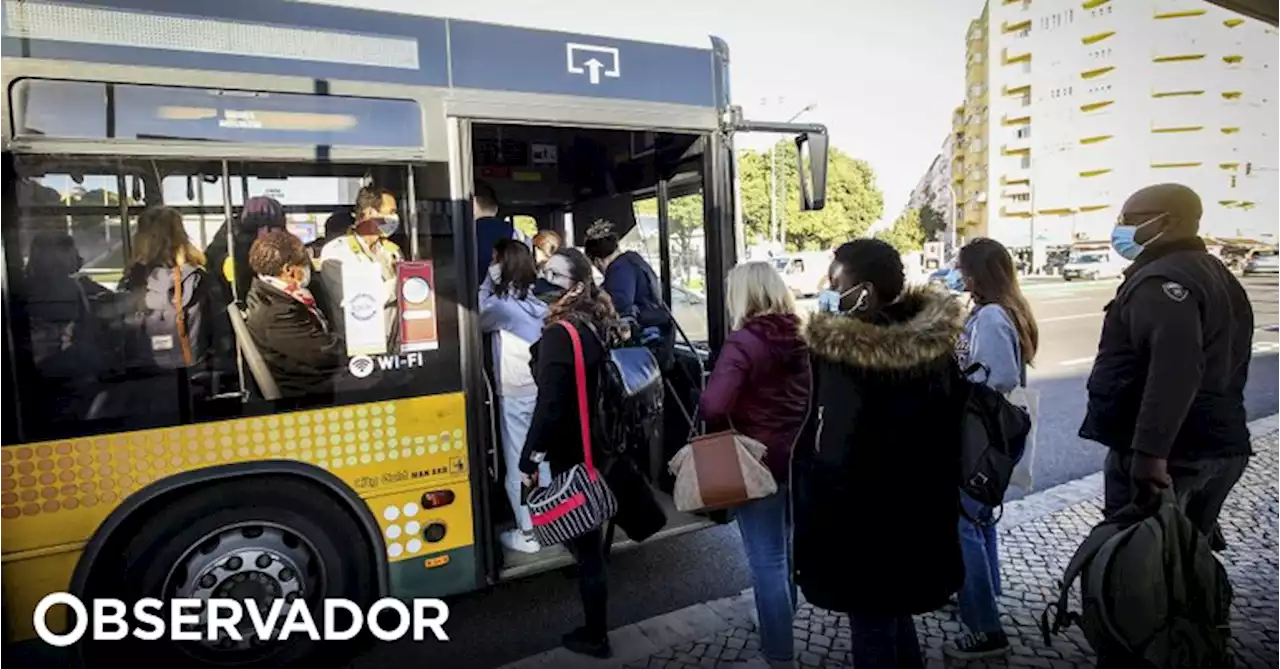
{"x": 1016, "y": 209}
{"x": 1016, "y": 176}
{"x": 1010, "y": 56}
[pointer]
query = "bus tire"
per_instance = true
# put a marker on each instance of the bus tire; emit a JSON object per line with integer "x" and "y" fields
{"x": 260, "y": 536}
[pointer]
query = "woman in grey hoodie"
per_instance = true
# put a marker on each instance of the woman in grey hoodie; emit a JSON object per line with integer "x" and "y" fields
{"x": 1000, "y": 336}
{"x": 515, "y": 317}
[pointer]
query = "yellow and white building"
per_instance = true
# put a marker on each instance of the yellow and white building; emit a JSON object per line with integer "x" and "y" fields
{"x": 969, "y": 124}
{"x": 1088, "y": 100}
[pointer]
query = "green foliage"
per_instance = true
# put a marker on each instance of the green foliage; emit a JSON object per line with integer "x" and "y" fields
{"x": 853, "y": 203}
{"x": 686, "y": 216}
{"x": 906, "y": 234}
{"x": 933, "y": 221}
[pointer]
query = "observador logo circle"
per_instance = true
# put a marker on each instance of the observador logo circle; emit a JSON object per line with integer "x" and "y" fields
{"x": 214, "y": 620}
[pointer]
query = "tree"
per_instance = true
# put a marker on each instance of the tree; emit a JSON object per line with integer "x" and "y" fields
{"x": 933, "y": 221}
{"x": 854, "y": 202}
{"x": 906, "y": 235}
{"x": 685, "y": 215}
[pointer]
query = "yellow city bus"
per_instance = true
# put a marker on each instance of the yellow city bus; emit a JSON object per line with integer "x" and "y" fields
{"x": 207, "y": 480}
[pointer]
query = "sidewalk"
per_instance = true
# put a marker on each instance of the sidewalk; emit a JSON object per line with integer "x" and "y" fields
{"x": 1038, "y": 535}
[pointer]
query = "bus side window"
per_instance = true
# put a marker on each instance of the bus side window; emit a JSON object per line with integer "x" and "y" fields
{"x": 113, "y": 322}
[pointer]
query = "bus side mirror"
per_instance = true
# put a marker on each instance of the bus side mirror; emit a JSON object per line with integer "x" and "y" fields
{"x": 812, "y": 150}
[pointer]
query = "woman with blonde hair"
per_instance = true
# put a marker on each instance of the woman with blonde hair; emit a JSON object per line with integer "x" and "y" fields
{"x": 760, "y": 388}
{"x": 168, "y": 282}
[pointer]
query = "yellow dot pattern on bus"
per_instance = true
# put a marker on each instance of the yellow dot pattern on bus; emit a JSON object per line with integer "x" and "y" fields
{"x": 351, "y": 442}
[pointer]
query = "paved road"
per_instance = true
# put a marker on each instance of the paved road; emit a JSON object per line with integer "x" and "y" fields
{"x": 519, "y": 619}
{"x": 1070, "y": 317}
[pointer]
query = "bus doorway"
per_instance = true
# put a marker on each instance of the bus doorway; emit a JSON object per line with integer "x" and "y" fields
{"x": 649, "y": 186}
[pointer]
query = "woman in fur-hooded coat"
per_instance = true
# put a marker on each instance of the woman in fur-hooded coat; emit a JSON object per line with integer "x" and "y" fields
{"x": 877, "y": 464}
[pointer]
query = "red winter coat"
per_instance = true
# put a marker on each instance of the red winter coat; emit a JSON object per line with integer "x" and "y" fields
{"x": 761, "y": 383}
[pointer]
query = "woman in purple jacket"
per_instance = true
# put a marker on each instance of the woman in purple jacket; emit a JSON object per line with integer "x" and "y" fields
{"x": 760, "y": 386}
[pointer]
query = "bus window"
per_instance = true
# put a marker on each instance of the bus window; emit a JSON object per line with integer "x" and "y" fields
{"x": 200, "y": 198}
{"x": 84, "y": 204}
{"x": 687, "y": 246}
{"x": 97, "y": 342}
{"x": 526, "y": 224}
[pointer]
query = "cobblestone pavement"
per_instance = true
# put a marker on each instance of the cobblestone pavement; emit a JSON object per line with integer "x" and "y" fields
{"x": 1034, "y": 552}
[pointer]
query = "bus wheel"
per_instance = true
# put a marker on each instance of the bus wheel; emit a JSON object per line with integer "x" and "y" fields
{"x": 256, "y": 539}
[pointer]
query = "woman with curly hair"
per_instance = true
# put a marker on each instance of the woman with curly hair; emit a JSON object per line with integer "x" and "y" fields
{"x": 555, "y": 434}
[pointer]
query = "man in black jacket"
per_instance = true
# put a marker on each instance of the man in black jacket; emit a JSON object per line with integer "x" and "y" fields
{"x": 1166, "y": 394}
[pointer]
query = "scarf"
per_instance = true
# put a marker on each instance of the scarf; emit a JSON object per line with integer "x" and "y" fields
{"x": 298, "y": 293}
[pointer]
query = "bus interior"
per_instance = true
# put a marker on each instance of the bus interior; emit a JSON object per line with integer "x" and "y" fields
{"x": 649, "y": 186}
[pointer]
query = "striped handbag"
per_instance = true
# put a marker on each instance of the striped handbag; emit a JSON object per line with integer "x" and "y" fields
{"x": 578, "y": 500}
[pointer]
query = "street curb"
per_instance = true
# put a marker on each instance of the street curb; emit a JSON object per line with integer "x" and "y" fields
{"x": 635, "y": 642}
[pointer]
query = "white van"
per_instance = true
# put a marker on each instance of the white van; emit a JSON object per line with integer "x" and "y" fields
{"x": 805, "y": 273}
{"x": 1094, "y": 262}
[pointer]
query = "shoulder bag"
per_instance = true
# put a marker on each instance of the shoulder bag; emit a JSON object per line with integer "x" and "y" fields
{"x": 720, "y": 470}
{"x": 578, "y": 500}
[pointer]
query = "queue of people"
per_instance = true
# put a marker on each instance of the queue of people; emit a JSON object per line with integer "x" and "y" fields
{"x": 861, "y": 410}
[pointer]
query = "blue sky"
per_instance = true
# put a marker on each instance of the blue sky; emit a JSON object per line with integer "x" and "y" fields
{"x": 885, "y": 74}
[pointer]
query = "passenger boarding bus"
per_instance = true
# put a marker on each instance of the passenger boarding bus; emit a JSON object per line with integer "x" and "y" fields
{"x": 205, "y": 479}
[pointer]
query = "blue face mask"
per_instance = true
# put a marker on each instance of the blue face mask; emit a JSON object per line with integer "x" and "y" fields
{"x": 954, "y": 281}
{"x": 388, "y": 224}
{"x": 829, "y": 301}
{"x": 1122, "y": 239}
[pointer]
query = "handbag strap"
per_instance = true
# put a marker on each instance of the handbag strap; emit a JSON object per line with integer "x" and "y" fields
{"x": 182, "y": 320}
{"x": 580, "y": 371}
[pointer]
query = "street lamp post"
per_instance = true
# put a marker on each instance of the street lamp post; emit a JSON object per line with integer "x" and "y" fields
{"x": 777, "y": 230}
{"x": 953, "y": 226}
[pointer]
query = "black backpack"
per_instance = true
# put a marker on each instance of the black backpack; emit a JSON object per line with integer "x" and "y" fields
{"x": 631, "y": 399}
{"x": 993, "y": 434}
{"x": 1153, "y": 593}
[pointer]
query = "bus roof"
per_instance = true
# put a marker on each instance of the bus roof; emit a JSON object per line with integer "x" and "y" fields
{"x": 334, "y": 42}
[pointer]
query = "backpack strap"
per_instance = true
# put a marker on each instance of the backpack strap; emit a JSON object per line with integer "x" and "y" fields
{"x": 580, "y": 371}
{"x": 182, "y": 319}
{"x": 1062, "y": 618}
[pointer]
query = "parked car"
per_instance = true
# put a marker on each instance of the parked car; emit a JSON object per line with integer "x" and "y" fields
{"x": 690, "y": 310}
{"x": 1264, "y": 261}
{"x": 1094, "y": 264}
{"x": 805, "y": 272}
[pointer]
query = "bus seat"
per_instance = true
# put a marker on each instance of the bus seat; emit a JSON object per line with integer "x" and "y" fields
{"x": 257, "y": 366}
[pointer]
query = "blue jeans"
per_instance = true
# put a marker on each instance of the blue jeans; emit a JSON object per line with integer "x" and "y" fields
{"x": 765, "y": 525}
{"x": 884, "y": 643}
{"x": 978, "y": 545}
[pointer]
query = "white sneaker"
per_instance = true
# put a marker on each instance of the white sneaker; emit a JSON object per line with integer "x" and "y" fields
{"x": 520, "y": 541}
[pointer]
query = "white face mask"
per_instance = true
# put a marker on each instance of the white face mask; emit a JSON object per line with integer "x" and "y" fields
{"x": 495, "y": 273}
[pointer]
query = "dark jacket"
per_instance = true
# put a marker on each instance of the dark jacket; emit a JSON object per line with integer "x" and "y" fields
{"x": 1173, "y": 359}
{"x": 633, "y": 287}
{"x": 876, "y": 468}
{"x": 555, "y": 432}
{"x": 761, "y": 384}
{"x": 303, "y": 357}
{"x": 489, "y": 230}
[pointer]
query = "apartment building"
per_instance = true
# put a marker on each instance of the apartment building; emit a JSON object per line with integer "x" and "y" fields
{"x": 969, "y": 124}
{"x": 934, "y": 188}
{"x": 1089, "y": 100}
